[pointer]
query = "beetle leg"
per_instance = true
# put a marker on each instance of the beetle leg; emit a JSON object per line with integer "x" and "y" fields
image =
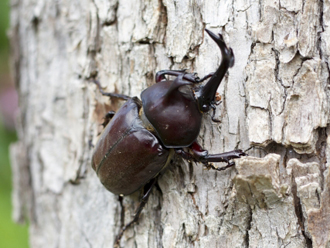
{"x": 138, "y": 211}
{"x": 199, "y": 80}
{"x": 185, "y": 155}
{"x": 207, "y": 162}
{"x": 115, "y": 95}
{"x": 223, "y": 157}
{"x": 191, "y": 77}
{"x": 213, "y": 114}
{"x": 160, "y": 75}
{"x": 202, "y": 156}
{"x": 108, "y": 117}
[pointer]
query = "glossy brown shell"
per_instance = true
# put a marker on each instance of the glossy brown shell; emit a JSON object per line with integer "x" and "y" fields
{"x": 172, "y": 110}
{"x": 127, "y": 155}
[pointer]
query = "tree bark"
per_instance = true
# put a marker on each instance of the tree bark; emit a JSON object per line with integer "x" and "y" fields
{"x": 275, "y": 98}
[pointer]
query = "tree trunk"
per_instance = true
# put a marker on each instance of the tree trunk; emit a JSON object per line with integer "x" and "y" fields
{"x": 276, "y": 97}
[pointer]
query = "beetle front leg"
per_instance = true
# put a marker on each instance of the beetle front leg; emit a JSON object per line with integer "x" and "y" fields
{"x": 114, "y": 95}
{"x": 160, "y": 75}
{"x": 222, "y": 157}
{"x": 185, "y": 155}
{"x": 204, "y": 157}
{"x": 191, "y": 77}
{"x": 138, "y": 211}
{"x": 199, "y": 80}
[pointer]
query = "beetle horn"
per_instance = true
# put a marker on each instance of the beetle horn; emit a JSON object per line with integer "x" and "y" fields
{"x": 206, "y": 94}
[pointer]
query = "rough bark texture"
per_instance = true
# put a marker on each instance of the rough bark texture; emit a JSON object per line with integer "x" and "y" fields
{"x": 276, "y": 97}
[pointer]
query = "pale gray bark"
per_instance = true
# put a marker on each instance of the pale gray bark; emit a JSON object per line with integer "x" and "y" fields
{"x": 276, "y": 97}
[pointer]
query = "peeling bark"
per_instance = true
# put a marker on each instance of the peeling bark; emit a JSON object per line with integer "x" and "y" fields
{"x": 275, "y": 98}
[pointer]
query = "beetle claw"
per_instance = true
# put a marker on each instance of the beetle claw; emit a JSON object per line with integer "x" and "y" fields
{"x": 229, "y": 164}
{"x": 240, "y": 153}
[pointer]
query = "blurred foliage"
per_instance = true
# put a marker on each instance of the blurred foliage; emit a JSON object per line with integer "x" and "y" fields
{"x": 11, "y": 235}
{"x": 4, "y": 23}
{"x": 4, "y": 43}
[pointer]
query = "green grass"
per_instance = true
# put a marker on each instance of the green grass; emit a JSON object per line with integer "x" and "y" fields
{"x": 11, "y": 235}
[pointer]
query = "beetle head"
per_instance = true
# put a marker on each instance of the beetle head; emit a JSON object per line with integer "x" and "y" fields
{"x": 174, "y": 111}
{"x": 206, "y": 94}
{"x": 171, "y": 109}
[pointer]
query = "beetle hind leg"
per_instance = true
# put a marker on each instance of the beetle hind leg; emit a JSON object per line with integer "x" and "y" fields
{"x": 138, "y": 211}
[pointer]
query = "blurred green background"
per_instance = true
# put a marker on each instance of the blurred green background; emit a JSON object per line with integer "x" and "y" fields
{"x": 11, "y": 235}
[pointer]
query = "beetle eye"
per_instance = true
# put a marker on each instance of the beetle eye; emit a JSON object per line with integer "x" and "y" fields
{"x": 205, "y": 108}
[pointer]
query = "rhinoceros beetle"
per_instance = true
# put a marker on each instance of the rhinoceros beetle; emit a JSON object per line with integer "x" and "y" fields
{"x": 139, "y": 141}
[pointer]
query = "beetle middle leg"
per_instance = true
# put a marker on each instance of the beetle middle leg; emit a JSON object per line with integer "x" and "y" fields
{"x": 138, "y": 211}
{"x": 107, "y": 118}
